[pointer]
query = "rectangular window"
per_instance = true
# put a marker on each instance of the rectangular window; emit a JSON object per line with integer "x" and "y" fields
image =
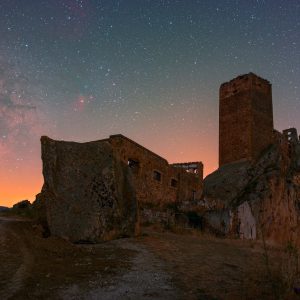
{"x": 174, "y": 183}
{"x": 194, "y": 195}
{"x": 134, "y": 165}
{"x": 157, "y": 175}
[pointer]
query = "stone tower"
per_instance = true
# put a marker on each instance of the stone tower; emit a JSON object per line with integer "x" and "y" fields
{"x": 245, "y": 118}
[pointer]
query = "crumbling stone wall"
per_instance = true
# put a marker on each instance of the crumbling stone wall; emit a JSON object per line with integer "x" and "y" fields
{"x": 291, "y": 135}
{"x": 94, "y": 191}
{"x": 245, "y": 118}
{"x": 156, "y": 181}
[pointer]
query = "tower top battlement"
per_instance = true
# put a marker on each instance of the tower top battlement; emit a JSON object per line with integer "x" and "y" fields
{"x": 242, "y": 83}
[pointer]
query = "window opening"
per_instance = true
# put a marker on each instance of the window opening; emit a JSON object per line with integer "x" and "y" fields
{"x": 134, "y": 165}
{"x": 157, "y": 175}
{"x": 174, "y": 183}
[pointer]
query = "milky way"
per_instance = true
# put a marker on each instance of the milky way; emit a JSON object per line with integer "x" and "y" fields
{"x": 151, "y": 70}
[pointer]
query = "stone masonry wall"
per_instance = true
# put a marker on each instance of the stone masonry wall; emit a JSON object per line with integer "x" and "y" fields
{"x": 245, "y": 118}
{"x": 156, "y": 182}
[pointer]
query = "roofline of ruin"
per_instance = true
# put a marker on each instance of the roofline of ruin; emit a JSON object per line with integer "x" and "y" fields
{"x": 244, "y": 76}
{"x": 138, "y": 145}
{"x": 131, "y": 141}
{"x": 188, "y": 163}
{"x": 144, "y": 148}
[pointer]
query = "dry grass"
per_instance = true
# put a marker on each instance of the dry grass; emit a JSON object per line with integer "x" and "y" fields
{"x": 285, "y": 277}
{"x": 206, "y": 267}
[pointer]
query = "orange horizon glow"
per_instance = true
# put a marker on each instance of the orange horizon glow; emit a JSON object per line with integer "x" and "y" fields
{"x": 28, "y": 181}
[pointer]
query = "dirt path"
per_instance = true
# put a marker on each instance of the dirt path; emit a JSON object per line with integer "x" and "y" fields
{"x": 33, "y": 267}
{"x": 146, "y": 278}
{"x": 16, "y": 260}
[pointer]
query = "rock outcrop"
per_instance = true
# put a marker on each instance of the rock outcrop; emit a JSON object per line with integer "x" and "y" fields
{"x": 3, "y": 208}
{"x": 259, "y": 198}
{"x": 24, "y": 204}
{"x": 88, "y": 195}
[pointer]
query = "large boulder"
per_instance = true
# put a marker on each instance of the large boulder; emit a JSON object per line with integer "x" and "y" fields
{"x": 88, "y": 195}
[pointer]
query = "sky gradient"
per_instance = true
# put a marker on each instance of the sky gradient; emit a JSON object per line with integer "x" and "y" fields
{"x": 150, "y": 70}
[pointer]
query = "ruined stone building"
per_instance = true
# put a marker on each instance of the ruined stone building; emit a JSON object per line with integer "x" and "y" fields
{"x": 156, "y": 181}
{"x": 245, "y": 118}
{"x": 95, "y": 191}
{"x": 291, "y": 135}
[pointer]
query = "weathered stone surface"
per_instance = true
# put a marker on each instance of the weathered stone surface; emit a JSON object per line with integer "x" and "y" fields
{"x": 40, "y": 213}
{"x": 247, "y": 224}
{"x": 224, "y": 184}
{"x": 262, "y": 197}
{"x": 88, "y": 191}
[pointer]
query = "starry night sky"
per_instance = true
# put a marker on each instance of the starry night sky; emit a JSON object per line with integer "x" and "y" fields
{"x": 151, "y": 70}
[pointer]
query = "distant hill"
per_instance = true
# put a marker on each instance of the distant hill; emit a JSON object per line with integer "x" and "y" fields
{"x": 3, "y": 208}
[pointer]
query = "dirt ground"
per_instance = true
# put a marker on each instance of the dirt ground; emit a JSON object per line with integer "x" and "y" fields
{"x": 205, "y": 267}
{"x": 157, "y": 265}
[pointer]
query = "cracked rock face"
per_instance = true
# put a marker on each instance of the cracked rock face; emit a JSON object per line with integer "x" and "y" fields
{"x": 88, "y": 192}
{"x": 261, "y": 198}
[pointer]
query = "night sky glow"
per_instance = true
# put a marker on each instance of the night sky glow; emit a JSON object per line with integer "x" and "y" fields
{"x": 149, "y": 69}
